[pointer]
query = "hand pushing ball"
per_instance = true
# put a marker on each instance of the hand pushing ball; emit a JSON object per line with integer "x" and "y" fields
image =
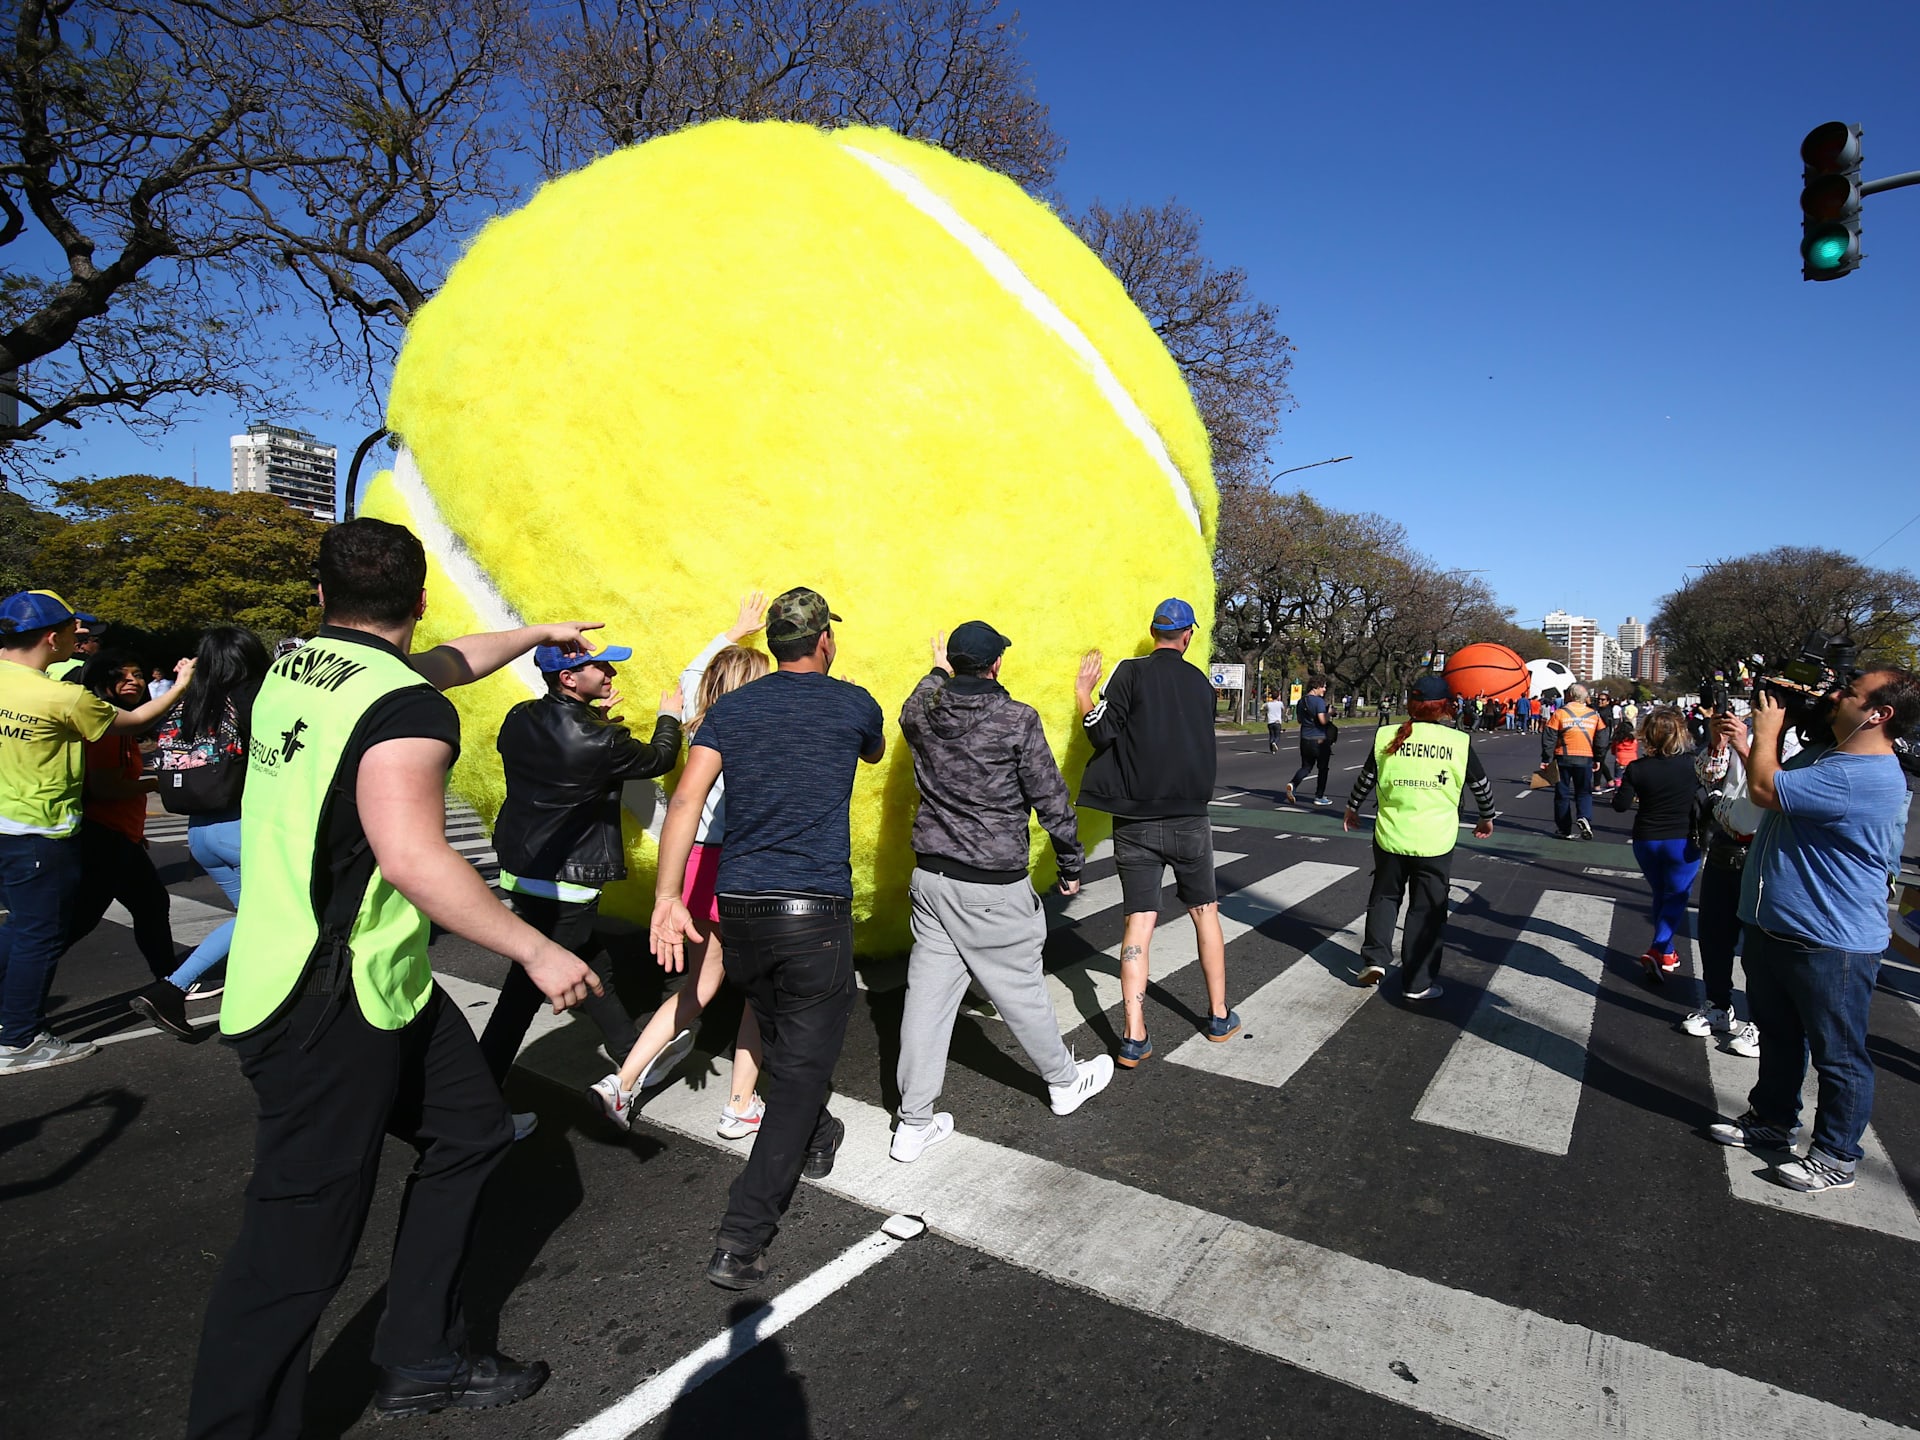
{"x": 753, "y": 356}
{"x": 1486, "y": 670}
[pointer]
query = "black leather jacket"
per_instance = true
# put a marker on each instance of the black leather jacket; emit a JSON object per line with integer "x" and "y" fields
{"x": 565, "y": 765}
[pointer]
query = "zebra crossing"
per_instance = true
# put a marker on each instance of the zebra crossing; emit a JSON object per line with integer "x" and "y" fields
{"x": 1516, "y": 1072}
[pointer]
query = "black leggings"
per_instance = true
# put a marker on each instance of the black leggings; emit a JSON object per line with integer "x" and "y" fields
{"x": 114, "y": 867}
{"x": 1314, "y": 755}
{"x": 570, "y": 924}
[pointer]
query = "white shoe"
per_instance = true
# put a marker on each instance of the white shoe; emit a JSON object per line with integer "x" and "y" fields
{"x": 1710, "y": 1021}
{"x": 1584, "y": 828}
{"x": 735, "y": 1126}
{"x": 1092, "y": 1077}
{"x": 1432, "y": 992}
{"x": 1745, "y": 1041}
{"x": 671, "y": 1054}
{"x": 42, "y": 1052}
{"x": 616, "y": 1104}
{"x": 206, "y": 989}
{"x": 1371, "y": 974}
{"x": 910, "y": 1142}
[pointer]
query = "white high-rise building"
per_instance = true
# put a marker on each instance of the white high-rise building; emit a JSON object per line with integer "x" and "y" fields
{"x": 1632, "y": 635}
{"x": 293, "y": 464}
{"x": 1615, "y": 658}
{"x": 1580, "y": 635}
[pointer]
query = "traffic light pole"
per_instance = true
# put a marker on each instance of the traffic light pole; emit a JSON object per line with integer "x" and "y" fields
{"x": 1892, "y": 182}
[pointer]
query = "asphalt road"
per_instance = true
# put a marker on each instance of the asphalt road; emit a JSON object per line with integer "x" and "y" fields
{"x": 1495, "y": 1215}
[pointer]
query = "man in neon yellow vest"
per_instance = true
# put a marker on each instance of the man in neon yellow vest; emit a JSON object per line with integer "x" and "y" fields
{"x": 1421, "y": 769}
{"x": 331, "y": 1005}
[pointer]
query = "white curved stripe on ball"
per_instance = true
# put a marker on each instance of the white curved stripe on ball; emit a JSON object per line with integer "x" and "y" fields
{"x": 1013, "y": 280}
{"x": 483, "y": 597}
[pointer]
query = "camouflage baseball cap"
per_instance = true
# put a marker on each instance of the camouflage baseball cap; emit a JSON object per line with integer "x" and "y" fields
{"x": 798, "y": 613}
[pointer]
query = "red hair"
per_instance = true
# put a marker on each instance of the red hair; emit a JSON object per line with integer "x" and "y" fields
{"x": 1431, "y": 712}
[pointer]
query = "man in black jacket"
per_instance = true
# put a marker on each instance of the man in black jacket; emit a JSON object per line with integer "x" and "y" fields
{"x": 1152, "y": 770}
{"x": 558, "y": 834}
{"x": 982, "y": 763}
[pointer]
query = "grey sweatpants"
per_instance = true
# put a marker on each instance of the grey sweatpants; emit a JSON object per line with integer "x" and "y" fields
{"x": 995, "y": 933}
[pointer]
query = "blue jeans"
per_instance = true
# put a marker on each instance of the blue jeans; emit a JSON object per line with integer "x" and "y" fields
{"x": 1811, "y": 1000}
{"x": 1669, "y": 866}
{"x": 216, "y": 847}
{"x": 38, "y": 877}
{"x": 1573, "y": 795}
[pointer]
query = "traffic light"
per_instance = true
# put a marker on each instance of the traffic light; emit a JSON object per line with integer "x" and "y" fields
{"x": 1830, "y": 201}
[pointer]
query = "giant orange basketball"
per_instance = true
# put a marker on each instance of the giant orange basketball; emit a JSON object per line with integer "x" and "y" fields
{"x": 1486, "y": 670}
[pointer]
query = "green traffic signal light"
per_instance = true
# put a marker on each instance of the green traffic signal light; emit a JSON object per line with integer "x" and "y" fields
{"x": 1827, "y": 249}
{"x": 1830, "y": 201}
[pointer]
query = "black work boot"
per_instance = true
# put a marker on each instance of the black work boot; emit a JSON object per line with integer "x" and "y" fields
{"x": 474, "y": 1382}
{"x": 736, "y": 1272}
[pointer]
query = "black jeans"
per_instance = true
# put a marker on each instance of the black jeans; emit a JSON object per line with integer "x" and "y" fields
{"x": 114, "y": 867}
{"x": 798, "y": 973}
{"x": 1314, "y": 755}
{"x": 568, "y": 923}
{"x": 1420, "y": 942}
{"x": 1273, "y": 737}
{"x": 330, "y": 1087}
{"x": 1720, "y": 928}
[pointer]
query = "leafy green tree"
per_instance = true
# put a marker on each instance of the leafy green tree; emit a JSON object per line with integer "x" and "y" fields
{"x": 162, "y": 554}
{"x": 24, "y": 528}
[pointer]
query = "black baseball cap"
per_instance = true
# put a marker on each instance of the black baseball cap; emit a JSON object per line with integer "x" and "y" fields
{"x": 1431, "y": 687}
{"x": 977, "y": 643}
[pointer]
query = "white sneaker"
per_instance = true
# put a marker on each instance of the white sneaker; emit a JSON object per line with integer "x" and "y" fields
{"x": 42, "y": 1052}
{"x": 910, "y": 1142}
{"x": 1371, "y": 974}
{"x": 1710, "y": 1021}
{"x": 1745, "y": 1041}
{"x": 1584, "y": 828}
{"x": 1432, "y": 992}
{"x": 616, "y": 1104}
{"x": 206, "y": 989}
{"x": 735, "y": 1126}
{"x": 1092, "y": 1077}
{"x": 662, "y": 1064}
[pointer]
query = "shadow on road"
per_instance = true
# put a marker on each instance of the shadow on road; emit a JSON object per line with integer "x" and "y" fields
{"x": 759, "y": 1396}
{"x": 121, "y": 1109}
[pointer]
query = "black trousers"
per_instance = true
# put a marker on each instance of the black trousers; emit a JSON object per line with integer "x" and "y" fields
{"x": 798, "y": 973}
{"x": 1420, "y": 942}
{"x": 330, "y": 1088}
{"x": 114, "y": 867}
{"x": 1314, "y": 755}
{"x": 569, "y": 923}
{"x": 1719, "y": 930}
{"x": 1273, "y": 737}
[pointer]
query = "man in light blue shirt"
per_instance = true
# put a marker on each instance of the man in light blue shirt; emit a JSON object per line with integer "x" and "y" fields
{"x": 1813, "y": 899}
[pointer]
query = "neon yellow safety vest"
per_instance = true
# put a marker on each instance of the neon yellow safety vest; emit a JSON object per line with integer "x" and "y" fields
{"x": 308, "y": 709}
{"x": 1420, "y": 785}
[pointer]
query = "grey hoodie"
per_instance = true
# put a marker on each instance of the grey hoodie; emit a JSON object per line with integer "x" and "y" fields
{"x": 982, "y": 762}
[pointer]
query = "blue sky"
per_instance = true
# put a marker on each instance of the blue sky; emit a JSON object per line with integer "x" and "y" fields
{"x": 1539, "y": 262}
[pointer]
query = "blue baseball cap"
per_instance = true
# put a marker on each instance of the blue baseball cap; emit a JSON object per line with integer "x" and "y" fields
{"x": 552, "y": 659}
{"x": 1431, "y": 687}
{"x": 1172, "y": 616}
{"x": 38, "y": 610}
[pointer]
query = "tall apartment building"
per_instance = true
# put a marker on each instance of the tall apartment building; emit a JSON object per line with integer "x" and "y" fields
{"x": 1649, "y": 665}
{"x": 1632, "y": 635}
{"x": 293, "y": 464}
{"x": 1615, "y": 659}
{"x": 1580, "y": 636}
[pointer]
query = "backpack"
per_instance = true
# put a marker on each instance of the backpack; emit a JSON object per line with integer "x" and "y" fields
{"x": 203, "y": 774}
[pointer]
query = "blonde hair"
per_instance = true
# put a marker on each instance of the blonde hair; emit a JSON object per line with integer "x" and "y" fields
{"x": 1663, "y": 732}
{"x": 726, "y": 672}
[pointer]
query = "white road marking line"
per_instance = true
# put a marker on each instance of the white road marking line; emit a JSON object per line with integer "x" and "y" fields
{"x": 1516, "y": 1072}
{"x": 1101, "y": 851}
{"x": 1288, "y": 1019}
{"x": 191, "y": 920}
{"x": 1231, "y": 795}
{"x": 1226, "y": 829}
{"x": 657, "y": 1395}
{"x": 1091, "y": 988}
{"x": 1487, "y": 1367}
{"x": 197, "y": 1021}
{"x": 476, "y": 1003}
{"x": 1877, "y": 1201}
{"x": 1227, "y": 804}
{"x": 1612, "y": 874}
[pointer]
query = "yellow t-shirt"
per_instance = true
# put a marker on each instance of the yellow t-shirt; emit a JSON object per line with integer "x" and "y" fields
{"x": 43, "y": 726}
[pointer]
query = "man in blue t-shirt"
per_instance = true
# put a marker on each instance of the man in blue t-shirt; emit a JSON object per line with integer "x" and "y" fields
{"x": 1316, "y": 741}
{"x": 790, "y": 745}
{"x": 1813, "y": 898}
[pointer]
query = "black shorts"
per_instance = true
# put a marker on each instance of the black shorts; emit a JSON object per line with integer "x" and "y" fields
{"x": 1142, "y": 849}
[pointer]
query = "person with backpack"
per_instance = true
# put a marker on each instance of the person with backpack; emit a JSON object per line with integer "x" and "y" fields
{"x": 202, "y": 772}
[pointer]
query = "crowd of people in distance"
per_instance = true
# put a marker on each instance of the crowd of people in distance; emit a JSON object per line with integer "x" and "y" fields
{"x": 320, "y": 771}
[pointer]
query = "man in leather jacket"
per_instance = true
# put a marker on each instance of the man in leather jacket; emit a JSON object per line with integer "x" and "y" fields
{"x": 558, "y": 834}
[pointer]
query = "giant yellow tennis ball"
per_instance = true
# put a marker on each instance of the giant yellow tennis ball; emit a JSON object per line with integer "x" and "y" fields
{"x": 764, "y": 355}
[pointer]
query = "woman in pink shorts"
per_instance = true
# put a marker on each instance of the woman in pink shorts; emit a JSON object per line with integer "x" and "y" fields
{"x": 725, "y": 665}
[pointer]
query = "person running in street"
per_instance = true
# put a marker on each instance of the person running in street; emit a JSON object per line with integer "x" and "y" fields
{"x": 47, "y": 726}
{"x": 1153, "y": 769}
{"x": 790, "y": 746}
{"x": 1569, "y": 741}
{"x": 1420, "y": 770}
{"x": 331, "y": 1005}
{"x": 1316, "y": 741}
{"x": 202, "y": 747}
{"x": 982, "y": 764}
{"x": 1665, "y": 784}
{"x": 719, "y": 669}
{"x": 1276, "y": 722}
{"x": 566, "y": 755}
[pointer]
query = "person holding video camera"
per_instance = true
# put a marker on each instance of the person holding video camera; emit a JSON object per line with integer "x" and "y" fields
{"x": 1813, "y": 900}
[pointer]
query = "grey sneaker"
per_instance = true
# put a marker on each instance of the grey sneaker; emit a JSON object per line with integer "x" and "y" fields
{"x": 1750, "y": 1132}
{"x": 1813, "y": 1173}
{"x": 42, "y": 1052}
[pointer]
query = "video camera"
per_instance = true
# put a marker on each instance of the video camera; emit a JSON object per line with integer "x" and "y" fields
{"x": 1802, "y": 685}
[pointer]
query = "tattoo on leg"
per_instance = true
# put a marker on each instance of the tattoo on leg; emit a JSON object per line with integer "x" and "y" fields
{"x": 1131, "y": 952}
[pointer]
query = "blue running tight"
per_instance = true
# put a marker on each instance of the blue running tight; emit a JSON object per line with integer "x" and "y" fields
{"x": 1669, "y": 866}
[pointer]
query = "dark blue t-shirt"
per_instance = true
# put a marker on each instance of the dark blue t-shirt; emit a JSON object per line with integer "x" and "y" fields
{"x": 789, "y": 745}
{"x": 1313, "y": 717}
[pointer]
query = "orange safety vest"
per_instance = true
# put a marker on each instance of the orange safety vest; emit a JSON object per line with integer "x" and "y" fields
{"x": 1579, "y": 726}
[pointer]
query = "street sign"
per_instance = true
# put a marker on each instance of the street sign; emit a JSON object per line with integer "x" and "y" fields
{"x": 1228, "y": 677}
